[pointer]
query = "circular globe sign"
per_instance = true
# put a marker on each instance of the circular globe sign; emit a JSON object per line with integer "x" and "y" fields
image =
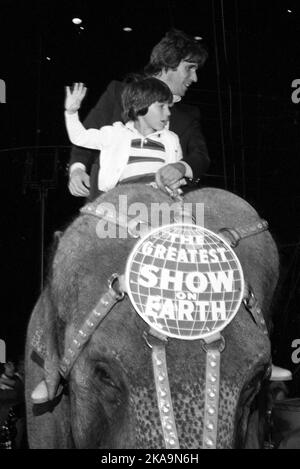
{"x": 185, "y": 281}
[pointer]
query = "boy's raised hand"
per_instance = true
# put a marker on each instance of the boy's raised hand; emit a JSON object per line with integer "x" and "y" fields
{"x": 74, "y": 97}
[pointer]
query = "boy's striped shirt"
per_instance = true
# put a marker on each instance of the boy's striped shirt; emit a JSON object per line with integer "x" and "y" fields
{"x": 147, "y": 155}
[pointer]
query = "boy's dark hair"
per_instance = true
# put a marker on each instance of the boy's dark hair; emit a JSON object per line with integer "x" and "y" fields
{"x": 140, "y": 92}
{"x": 174, "y": 47}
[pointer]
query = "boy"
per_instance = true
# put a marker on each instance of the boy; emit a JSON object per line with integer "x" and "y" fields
{"x": 139, "y": 150}
{"x": 143, "y": 148}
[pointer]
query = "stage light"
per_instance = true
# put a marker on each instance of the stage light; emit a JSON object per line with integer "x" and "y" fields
{"x": 198, "y": 38}
{"x": 77, "y": 20}
{"x": 127, "y": 29}
{"x": 48, "y": 58}
{"x": 81, "y": 27}
{"x": 289, "y": 11}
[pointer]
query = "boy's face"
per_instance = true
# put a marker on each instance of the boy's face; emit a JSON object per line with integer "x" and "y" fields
{"x": 180, "y": 79}
{"x": 157, "y": 116}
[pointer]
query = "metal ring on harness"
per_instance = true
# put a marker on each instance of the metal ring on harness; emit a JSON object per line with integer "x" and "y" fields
{"x": 110, "y": 282}
{"x": 218, "y": 343}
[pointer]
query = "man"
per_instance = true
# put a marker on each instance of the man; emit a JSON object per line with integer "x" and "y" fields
{"x": 174, "y": 60}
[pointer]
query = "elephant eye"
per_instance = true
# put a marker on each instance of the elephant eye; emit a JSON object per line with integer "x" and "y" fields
{"x": 104, "y": 375}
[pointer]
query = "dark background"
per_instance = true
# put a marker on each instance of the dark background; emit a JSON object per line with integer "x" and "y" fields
{"x": 244, "y": 92}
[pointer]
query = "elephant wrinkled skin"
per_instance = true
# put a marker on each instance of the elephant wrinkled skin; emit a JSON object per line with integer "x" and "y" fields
{"x": 110, "y": 399}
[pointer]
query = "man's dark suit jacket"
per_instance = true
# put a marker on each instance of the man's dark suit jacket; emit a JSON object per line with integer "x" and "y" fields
{"x": 184, "y": 121}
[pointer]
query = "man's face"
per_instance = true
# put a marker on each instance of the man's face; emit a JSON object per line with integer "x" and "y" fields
{"x": 157, "y": 116}
{"x": 180, "y": 79}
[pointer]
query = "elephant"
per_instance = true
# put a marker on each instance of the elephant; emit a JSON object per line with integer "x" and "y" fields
{"x": 108, "y": 399}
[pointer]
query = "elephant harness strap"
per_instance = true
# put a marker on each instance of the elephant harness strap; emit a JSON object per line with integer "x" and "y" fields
{"x": 232, "y": 235}
{"x": 213, "y": 349}
{"x": 157, "y": 343}
{"x": 90, "y": 324}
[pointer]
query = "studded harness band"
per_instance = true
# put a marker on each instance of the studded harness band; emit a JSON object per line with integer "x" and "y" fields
{"x": 90, "y": 324}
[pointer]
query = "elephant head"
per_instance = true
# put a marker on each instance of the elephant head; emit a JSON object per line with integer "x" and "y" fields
{"x": 109, "y": 399}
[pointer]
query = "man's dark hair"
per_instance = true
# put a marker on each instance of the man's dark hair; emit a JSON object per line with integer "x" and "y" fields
{"x": 140, "y": 92}
{"x": 174, "y": 47}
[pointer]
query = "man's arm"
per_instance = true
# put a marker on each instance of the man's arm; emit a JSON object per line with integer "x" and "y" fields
{"x": 197, "y": 153}
{"x": 188, "y": 127}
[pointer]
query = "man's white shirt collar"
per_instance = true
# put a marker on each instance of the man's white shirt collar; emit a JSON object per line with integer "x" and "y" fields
{"x": 176, "y": 98}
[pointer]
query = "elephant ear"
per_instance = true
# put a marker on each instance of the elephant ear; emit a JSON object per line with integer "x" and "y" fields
{"x": 48, "y": 422}
{"x": 45, "y": 350}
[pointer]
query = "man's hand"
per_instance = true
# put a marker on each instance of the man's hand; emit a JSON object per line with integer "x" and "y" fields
{"x": 74, "y": 97}
{"x": 79, "y": 183}
{"x": 171, "y": 176}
